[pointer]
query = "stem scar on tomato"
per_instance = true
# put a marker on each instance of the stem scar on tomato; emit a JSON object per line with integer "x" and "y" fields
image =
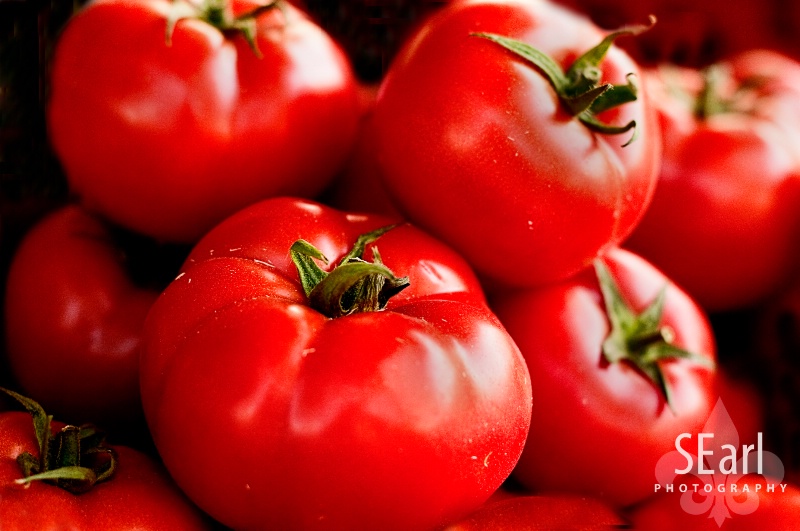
{"x": 354, "y": 285}
{"x": 74, "y": 459}
{"x": 579, "y": 88}
{"x": 640, "y": 339}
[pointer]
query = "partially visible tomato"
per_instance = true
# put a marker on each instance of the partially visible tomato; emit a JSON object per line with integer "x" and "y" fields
{"x": 168, "y": 131}
{"x": 618, "y": 373}
{"x": 477, "y": 146}
{"x": 74, "y": 315}
{"x": 541, "y": 513}
{"x": 725, "y": 218}
{"x": 134, "y": 491}
{"x": 343, "y": 398}
{"x": 777, "y": 510}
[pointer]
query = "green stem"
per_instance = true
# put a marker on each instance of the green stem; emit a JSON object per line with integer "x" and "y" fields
{"x": 579, "y": 88}
{"x": 640, "y": 338}
{"x": 713, "y": 100}
{"x": 354, "y": 285}
{"x": 74, "y": 458}
{"x": 217, "y": 14}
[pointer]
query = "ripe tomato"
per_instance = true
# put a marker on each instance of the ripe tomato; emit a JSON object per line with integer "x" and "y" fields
{"x": 137, "y": 494}
{"x": 609, "y": 400}
{"x": 74, "y": 318}
{"x": 478, "y": 147}
{"x": 169, "y": 135}
{"x": 271, "y": 414}
{"x": 724, "y": 220}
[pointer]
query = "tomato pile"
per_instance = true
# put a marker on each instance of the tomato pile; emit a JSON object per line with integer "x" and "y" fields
{"x": 468, "y": 264}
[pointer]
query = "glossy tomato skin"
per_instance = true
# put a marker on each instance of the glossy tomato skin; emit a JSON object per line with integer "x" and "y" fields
{"x": 74, "y": 319}
{"x": 170, "y": 138}
{"x": 399, "y": 419}
{"x": 598, "y": 428}
{"x": 476, "y": 147}
{"x": 140, "y": 494}
{"x": 724, "y": 218}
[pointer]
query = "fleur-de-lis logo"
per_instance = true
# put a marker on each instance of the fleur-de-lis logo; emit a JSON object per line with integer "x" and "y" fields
{"x": 714, "y": 488}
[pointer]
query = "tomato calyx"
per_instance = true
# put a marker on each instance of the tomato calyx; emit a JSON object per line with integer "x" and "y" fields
{"x": 74, "y": 458}
{"x": 718, "y": 93}
{"x": 721, "y": 94}
{"x": 218, "y": 13}
{"x": 354, "y": 285}
{"x": 579, "y": 88}
{"x": 639, "y": 338}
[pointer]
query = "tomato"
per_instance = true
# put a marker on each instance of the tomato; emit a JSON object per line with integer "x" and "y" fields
{"x": 760, "y": 509}
{"x": 477, "y": 146}
{"x": 541, "y": 513}
{"x": 168, "y": 132}
{"x": 272, "y": 414}
{"x": 724, "y": 219}
{"x": 137, "y": 494}
{"x": 74, "y": 318}
{"x": 609, "y": 399}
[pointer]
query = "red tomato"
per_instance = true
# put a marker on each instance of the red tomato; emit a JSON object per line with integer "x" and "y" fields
{"x": 600, "y": 419}
{"x": 74, "y": 319}
{"x": 478, "y": 147}
{"x": 778, "y": 510}
{"x": 724, "y": 219}
{"x": 405, "y": 418}
{"x": 541, "y": 513}
{"x": 138, "y": 494}
{"x": 168, "y": 138}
